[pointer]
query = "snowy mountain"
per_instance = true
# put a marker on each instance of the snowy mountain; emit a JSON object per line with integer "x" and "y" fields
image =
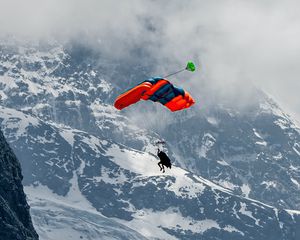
{"x": 125, "y": 184}
{"x": 80, "y": 156}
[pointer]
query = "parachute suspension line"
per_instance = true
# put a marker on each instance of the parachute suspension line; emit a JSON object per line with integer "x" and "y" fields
{"x": 171, "y": 74}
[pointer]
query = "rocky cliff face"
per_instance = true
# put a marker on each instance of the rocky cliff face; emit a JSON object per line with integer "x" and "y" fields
{"x": 15, "y": 220}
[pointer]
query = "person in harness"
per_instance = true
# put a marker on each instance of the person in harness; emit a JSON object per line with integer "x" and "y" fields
{"x": 164, "y": 160}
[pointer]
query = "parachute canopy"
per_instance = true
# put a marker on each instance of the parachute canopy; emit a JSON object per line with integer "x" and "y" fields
{"x": 156, "y": 90}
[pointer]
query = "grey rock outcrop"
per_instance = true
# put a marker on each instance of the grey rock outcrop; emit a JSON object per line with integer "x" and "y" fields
{"x": 15, "y": 220}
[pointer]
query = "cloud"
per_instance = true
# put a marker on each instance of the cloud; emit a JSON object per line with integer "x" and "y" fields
{"x": 233, "y": 41}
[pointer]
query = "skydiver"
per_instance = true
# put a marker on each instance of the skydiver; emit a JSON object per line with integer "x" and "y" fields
{"x": 164, "y": 160}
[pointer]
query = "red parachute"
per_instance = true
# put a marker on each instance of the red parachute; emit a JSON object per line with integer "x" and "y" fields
{"x": 156, "y": 90}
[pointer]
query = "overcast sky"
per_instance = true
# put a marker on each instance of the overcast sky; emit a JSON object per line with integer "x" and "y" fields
{"x": 235, "y": 41}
